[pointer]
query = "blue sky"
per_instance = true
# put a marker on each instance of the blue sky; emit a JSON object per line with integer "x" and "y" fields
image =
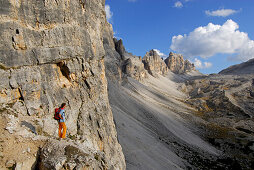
{"x": 182, "y": 26}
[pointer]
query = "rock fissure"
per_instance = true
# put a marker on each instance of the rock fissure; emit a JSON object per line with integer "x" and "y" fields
{"x": 21, "y": 95}
{"x": 82, "y": 3}
{"x": 64, "y": 69}
{"x": 80, "y": 113}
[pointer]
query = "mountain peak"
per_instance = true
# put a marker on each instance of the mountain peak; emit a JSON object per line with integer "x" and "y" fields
{"x": 154, "y": 64}
{"x": 177, "y": 64}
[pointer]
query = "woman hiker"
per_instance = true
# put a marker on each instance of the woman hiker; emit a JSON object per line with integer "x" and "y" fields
{"x": 61, "y": 122}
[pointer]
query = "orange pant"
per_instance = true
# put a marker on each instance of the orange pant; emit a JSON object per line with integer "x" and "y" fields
{"x": 60, "y": 133}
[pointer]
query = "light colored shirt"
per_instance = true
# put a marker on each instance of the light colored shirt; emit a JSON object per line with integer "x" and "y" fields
{"x": 63, "y": 115}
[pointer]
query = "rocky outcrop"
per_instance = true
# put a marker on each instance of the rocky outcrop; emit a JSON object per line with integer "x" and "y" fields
{"x": 243, "y": 68}
{"x": 177, "y": 64}
{"x": 70, "y": 155}
{"x": 113, "y": 60}
{"x": 119, "y": 47}
{"x": 133, "y": 67}
{"x": 52, "y": 52}
{"x": 119, "y": 63}
{"x": 225, "y": 104}
{"x": 154, "y": 63}
{"x": 150, "y": 110}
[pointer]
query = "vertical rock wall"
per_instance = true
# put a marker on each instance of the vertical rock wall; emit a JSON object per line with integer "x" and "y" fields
{"x": 177, "y": 64}
{"x": 52, "y": 52}
{"x": 154, "y": 63}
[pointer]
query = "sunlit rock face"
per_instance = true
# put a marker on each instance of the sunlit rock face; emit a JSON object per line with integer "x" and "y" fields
{"x": 52, "y": 52}
{"x": 177, "y": 64}
{"x": 154, "y": 63}
{"x": 119, "y": 63}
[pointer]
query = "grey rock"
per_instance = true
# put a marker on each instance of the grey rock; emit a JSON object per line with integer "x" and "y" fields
{"x": 127, "y": 66}
{"x": 119, "y": 47}
{"x": 133, "y": 67}
{"x": 196, "y": 92}
{"x": 58, "y": 154}
{"x": 252, "y": 93}
{"x": 227, "y": 106}
{"x": 243, "y": 68}
{"x": 18, "y": 166}
{"x": 177, "y": 64}
{"x": 154, "y": 64}
{"x": 10, "y": 163}
{"x": 113, "y": 60}
{"x": 118, "y": 62}
{"x": 20, "y": 108}
{"x": 29, "y": 125}
{"x": 52, "y": 52}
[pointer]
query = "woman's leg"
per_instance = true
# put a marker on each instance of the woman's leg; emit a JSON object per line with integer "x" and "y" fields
{"x": 64, "y": 130}
{"x": 60, "y": 130}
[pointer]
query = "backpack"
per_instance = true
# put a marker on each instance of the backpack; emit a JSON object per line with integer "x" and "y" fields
{"x": 57, "y": 115}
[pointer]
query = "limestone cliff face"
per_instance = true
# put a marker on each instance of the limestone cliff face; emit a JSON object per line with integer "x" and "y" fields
{"x": 113, "y": 60}
{"x": 177, "y": 64}
{"x": 52, "y": 52}
{"x": 119, "y": 63}
{"x": 119, "y": 47}
{"x": 154, "y": 64}
{"x": 133, "y": 67}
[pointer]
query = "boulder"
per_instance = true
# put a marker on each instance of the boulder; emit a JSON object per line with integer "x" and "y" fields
{"x": 66, "y": 154}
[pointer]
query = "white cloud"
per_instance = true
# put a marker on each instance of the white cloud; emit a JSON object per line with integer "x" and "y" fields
{"x": 132, "y": 0}
{"x": 221, "y": 12}
{"x": 213, "y": 39}
{"x": 207, "y": 64}
{"x": 197, "y": 63}
{"x": 200, "y": 65}
{"x": 178, "y": 4}
{"x": 160, "y": 53}
{"x": 109, "y": 14}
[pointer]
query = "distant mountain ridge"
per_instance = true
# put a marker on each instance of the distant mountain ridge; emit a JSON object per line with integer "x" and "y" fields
{"x": 122, "y": 63}
{"x": 243, "y": 68}
{"x": 174, "y": 62}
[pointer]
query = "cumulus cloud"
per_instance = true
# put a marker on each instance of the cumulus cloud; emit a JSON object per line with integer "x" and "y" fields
{"x": 207, "y": 64}
{"x": 213, "y": 39}
{"x": 178, "y": 4}
{"x": 221, "y": 12}
{"x": 198, "y": 64}
{"x": 160, "y": 53}
{"x": 109, "y": 14}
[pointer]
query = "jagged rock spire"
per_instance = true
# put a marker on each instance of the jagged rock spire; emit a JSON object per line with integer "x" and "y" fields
{"x": 119, "y": 47}
{"x": 154, "y": 64}
{"x": 177, "y": 64}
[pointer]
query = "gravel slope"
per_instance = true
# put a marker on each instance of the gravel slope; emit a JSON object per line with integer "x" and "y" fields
{"x": 150, "y": 129}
